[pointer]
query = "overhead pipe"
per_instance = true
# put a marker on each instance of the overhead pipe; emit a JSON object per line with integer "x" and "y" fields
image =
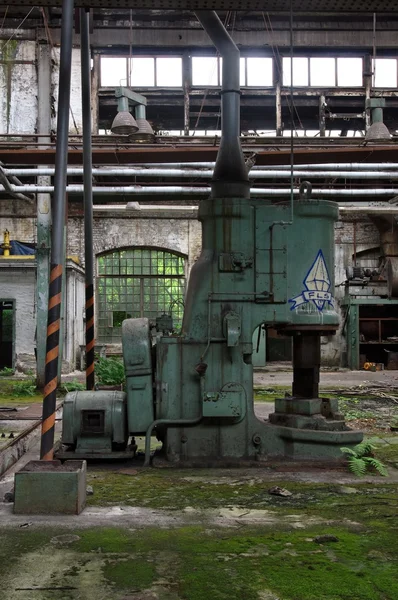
{"x": 205, "y": 174}
{"x": 163, "y": 191}
{"x": 230, "y": 178}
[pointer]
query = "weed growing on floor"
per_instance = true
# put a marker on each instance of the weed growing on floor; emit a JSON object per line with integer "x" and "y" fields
{"x": 6, "y": 371}
{"x": 72, "y": 386}
{"x": 24, "y": 388}
{"x": 110, "y": 371}
{"x": 361, "y": 459}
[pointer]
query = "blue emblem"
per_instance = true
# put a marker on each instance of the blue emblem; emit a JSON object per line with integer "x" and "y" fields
{"x": 317, "y": 285}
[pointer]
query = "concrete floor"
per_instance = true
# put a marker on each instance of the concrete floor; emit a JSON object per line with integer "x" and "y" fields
{"x": 155, "y": 512}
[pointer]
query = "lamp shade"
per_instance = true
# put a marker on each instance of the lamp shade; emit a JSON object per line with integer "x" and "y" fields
{"x": 124, "y": 123}
{"x": 145, "y": 132}
{"x": 376, "y": 132}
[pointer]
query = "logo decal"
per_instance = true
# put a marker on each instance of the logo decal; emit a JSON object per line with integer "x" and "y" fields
{"x": 317, "y": 283}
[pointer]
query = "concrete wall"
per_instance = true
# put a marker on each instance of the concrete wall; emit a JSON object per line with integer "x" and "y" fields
{"x": 18, "y": 283}
{"x": 18, "y": 88}
{"x": 74, "y": 316}
{"x": 111, "y": 233}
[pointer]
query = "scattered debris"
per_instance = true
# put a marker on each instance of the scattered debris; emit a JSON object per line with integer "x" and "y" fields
{"x": 278, "y": 491}
{"x": 348, "y": 490}
{"x": 89, "y": 490}
{"x": 324, "y": 539}
{"x": 9, "y": 496}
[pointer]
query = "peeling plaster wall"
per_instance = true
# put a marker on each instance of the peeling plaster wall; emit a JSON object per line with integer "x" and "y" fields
{"x": 18, "y": 88}
{"x": 180, "y": 235}
{"x": 75, "y": 114}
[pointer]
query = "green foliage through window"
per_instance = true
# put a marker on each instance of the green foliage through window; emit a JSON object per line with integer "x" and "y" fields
{"x": 138, "y": 282}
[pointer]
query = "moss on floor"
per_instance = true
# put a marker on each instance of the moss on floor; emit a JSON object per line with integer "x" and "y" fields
{"x": 195, "y": 563}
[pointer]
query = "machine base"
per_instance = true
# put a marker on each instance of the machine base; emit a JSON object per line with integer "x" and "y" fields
{"x": 72, "y": 455}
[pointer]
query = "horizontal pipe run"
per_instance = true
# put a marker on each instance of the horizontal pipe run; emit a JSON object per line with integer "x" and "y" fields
{"x": 155, "y": 208}
{"x": 163, "y": 191}
{"x": 205, "y": 174}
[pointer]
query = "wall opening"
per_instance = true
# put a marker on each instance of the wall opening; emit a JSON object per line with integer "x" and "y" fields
{"x": 7, "y": 337}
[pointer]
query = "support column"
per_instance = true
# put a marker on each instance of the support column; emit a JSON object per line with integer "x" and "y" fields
{"x": 95, "y": 84}
{"x": 322, "y": 118}
{"x": 186, "y": 82}
{"x": 43, "y": 211}
{"x": 278, "y": 109}
{"x": 367, "y": 81}
{"x": 57, "y": 235}
{"x": 88, "y": 197}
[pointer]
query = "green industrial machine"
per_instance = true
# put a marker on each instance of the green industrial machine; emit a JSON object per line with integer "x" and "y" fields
{"x": 262, "y": 261}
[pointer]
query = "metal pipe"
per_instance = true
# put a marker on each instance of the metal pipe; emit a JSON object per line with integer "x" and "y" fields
{"x": 202, "y": 174}
{"x": 57, "y": 235}
{"x": 230, "y": 179}
{"x": 167, "y": 423}
{"x": 88, "y": 195}
{"x": 166, "y": 191}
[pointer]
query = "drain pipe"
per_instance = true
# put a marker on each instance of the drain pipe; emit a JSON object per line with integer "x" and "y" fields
{"x": 230, "y": 178}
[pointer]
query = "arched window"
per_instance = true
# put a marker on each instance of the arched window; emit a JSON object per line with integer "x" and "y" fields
{"x": 138, "y": 282}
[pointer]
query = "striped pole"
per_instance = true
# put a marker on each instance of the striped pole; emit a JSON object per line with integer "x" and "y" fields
{"x": 57, "y": 236}
{"x": 51, "y": 368}
{"x": 88, "y": 194}
{"x": 90, "y": 341}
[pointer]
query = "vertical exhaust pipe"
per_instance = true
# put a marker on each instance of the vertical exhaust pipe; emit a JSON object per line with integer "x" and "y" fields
{"x": 230, "y": 177}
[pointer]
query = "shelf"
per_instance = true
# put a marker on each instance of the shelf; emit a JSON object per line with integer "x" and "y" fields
{"x": 379, "y": 343}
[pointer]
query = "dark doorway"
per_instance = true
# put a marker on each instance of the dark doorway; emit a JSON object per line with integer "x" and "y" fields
{"x": 6, "y": 333}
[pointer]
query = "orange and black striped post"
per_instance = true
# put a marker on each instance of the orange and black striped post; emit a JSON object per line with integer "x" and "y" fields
{"x": 90, "y": 341}
{"x": 57, "y": 236}
{"x": 88, "y": 194}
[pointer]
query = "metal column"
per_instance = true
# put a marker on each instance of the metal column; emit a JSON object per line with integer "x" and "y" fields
{"x": 57, "y": 235}
{"x": 43, "y": 212}
{"x": 88, "y": 196}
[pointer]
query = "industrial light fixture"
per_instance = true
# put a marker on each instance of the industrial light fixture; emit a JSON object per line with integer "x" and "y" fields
{"x": 378, "y": 131}
{"x": 138, "y": 129}
{"x": 145, "y": 132}
{"x": 124, "y": 122}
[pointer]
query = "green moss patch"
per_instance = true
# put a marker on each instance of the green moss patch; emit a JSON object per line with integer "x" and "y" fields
{"x": 194, "y": 563}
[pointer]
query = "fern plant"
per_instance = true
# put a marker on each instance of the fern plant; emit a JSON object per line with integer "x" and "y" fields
{"x": 361, "y": 458}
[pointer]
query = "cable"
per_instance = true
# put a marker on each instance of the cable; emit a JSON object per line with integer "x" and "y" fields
{"x": 19, "y": 26}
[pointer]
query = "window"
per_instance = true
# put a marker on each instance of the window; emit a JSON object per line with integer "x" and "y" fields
{"x": 205, "y": 71}
{"x": 142, "y": 72}
{"x": 113, "y": 71}
{"x": 169, "y": 72}
{"x": 300, "y": 71}
{"x": 385, "y": 72}
{"x": 323, "y": 72}
{"x": 138, "y": 282}
{"x": 254, "y": 71}
{"x": 259, "y": 71}
{"x": 349, "y": 72}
